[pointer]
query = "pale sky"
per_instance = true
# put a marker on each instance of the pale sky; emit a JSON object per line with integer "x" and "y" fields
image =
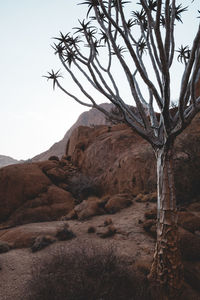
{"x": 33, "y": 116}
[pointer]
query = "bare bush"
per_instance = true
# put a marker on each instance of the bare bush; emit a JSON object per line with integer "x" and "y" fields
{"x": 4, "y": 247}
{"x": 83, "y": 272}
{"x": 65, "y": 233}
{"x": 82, "y": 186}
{"x": 41, "y": 242}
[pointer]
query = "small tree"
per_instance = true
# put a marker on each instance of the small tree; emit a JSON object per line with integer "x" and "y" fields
{"x": 144, "y": 47}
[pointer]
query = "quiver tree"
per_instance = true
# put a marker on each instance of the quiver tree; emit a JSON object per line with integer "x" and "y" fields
{"x": 142, "y": 43}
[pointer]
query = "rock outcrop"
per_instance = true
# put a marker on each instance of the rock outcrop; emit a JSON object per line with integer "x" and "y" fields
{"x": 122, "y": 162}
{"x": 116, "y": 155}
{"x": 107, "y": 160}
{"x": 117, "y": 161}
{"x": 87, "y": 118}
{"x": 35, "y": 192}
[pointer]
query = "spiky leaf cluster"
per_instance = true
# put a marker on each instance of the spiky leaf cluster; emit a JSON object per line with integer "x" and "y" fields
{"x": 53, "y": 76}
{"x": 149, "y": 29}
{"x": 183, "y": 54}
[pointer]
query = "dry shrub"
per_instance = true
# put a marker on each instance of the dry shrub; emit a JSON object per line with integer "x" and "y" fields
{"x": 82, "y": 186}
{"x": 54, "y": 157}
{"x": 4, "y": 247}
{"x": 108, "y": 232}
{"x": 41, "y": 242}
{"x": 82, "y": 272}
{"x": 91, "y": 229}
{"x": 65, "y": 233}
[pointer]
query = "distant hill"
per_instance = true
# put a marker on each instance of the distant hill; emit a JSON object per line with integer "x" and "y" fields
{"x": 88, "y": 118}
{"x": 7, "y": 160}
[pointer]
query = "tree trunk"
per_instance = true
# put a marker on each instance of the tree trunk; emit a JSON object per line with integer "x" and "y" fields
{"x": 167, "y": 270}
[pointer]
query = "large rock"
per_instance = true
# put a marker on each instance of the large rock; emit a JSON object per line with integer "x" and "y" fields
{"x": 89, "y": 208}
{"x": 117, "y": 160}
{"x": 123, "y": 162}
{"x": 19, "y": 183}
{"x": 117, "y": 202}
{"x": 23, "y": 236}
{"x": 49, "y": 206}
{"x": 117, "y": 156}
{"x": 189, "y": 221}
{"x": 28, "y": 193}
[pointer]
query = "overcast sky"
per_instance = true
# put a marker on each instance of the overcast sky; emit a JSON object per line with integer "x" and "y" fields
{"x": 32, "y": 115}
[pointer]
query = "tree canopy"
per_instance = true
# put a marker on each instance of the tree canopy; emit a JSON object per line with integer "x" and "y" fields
{"x": 142, "y": 41}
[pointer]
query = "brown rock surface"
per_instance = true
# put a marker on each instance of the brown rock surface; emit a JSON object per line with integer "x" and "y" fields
{"x": 115, "y": 157}
{"x": 29, "y": 194}
{"x": 126, "y": 235}
{"x": 117, "y": 202}
{"x": 122, "y": 162}
{"x": 189, "y": 221}
{"x": 23, "y": 236}
{"x": 46, "y": 207}
{"x": 89, "y": 208}
{"x": 19, "y": 183}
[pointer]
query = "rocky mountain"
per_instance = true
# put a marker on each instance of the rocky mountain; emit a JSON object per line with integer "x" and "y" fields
{"x": 87, "y": 118}
{"x": 7, "y": 160}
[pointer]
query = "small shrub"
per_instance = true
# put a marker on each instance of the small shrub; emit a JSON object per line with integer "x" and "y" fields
{"x": 82, "y": 272}
{"x": 42, "y": 242}
{"x": 152, "y": 214}
{"x": 82, "y": 187}
{"x": 108, "y": 221}
{"x": 53, "y": 157}
{"x": 91, "y": 229}
{"x": 65, "y": 233}
{"x": 4, "y": 247}
{"x": 108, "y": 232}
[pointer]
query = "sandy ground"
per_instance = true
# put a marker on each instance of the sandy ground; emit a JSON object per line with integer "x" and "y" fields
{"x": 130, "y": 241}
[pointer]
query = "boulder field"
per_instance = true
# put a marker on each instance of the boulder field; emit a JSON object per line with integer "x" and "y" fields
{"x": 102, "y": 190}
{"x": 102, "y": 161}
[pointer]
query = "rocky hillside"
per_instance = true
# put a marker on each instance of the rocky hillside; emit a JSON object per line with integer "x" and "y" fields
{"x": 103, "y": 188}
{"x": 6, "y": 160}
{"x": 87, "y": 118}
{"x": 122, "y": 162}
{"x": 102, "y": 161}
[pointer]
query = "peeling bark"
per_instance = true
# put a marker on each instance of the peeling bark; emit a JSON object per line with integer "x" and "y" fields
{"x": 167, "y": 270}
